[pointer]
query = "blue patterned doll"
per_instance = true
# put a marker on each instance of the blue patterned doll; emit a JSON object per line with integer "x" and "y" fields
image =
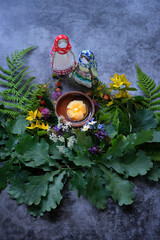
{"x": 86, "y": 71}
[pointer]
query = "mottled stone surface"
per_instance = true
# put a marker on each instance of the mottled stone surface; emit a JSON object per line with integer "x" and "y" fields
{"x": 120, "y": 33}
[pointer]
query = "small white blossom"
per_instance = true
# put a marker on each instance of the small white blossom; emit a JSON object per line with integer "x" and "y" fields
{"x": 61, "y": 149}
{"x": 61, "y": 139}
{"x": 92, "y": 123}
{"x": 85, "y": 128}
{"x": 53, "y": 137}
{"x": 71, "y": 140}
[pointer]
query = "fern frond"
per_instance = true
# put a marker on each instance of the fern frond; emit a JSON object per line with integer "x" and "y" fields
{"x": 25, "y": 85}
{"x": 9, "y": 112}
{"x": 14, "y": 79}
{"x": 148, "y": 86}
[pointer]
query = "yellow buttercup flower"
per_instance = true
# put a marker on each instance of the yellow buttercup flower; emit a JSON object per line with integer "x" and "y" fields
{"x": 33, "y": 115}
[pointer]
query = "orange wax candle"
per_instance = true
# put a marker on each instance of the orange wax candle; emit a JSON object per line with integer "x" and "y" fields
{"x": 76, "y": 110}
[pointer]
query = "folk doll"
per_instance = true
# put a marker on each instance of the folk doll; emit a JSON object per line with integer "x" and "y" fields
{"x": 86, "y": 71}
{"x": 62, "y": 57}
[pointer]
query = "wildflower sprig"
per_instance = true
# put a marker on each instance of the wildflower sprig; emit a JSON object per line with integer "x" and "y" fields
{"x": 35, "y": 120}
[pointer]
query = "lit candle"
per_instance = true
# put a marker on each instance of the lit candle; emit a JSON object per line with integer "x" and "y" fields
{"x": 77, "y": 110}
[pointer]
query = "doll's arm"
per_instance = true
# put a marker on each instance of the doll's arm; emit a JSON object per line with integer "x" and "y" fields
{"x": 52, "y": 61}
{"x": 90, "y": 71}
{"x": 73, "y": 57}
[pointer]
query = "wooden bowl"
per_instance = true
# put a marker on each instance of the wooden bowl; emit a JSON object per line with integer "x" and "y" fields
{"x": 66, "y": 98}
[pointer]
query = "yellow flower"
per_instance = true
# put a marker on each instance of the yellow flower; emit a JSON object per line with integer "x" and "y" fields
{"x": 110, "y": 103}
{"x": 39, "y": 125}
{"x": 119, "y": 80}
{"x": 33, "y": 115}
{"x": 42, "y": 125}
{"x": 124, "y": 79}
{"x": 122, "y": 94}
{"x": 33, "y": 125}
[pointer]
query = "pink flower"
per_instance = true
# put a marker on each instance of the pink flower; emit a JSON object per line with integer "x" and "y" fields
{"x": 45, "y": 113}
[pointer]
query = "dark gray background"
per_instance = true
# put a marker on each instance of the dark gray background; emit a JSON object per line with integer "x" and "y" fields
{"x": 120, "y": 33}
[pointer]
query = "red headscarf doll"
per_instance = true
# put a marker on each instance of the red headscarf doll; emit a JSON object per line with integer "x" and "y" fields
{"x": 62, "y": 57}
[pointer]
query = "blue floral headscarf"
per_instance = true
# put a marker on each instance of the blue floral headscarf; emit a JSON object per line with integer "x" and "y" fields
{"x": 92, "y": 63}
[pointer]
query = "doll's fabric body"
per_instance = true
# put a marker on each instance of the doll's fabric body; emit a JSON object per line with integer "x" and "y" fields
{"x": 62, "y": 58}
{"x": 82, "y": 74}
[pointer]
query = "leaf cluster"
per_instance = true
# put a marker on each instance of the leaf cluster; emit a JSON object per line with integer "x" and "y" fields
{"x": 17, "y": 87}
{"x": 36, "y": 171}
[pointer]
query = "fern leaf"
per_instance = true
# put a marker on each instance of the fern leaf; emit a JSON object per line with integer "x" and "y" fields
{"x": 25, "y": 85}
{"x": 155, "y": 90}
{"x": 156, "y": 95}
{"x": 9, "y": 112}
{"x": 155, "y": 102}
{"x": 150, "y": 89}
{"x": 14, "y": 80}
{"x": 5, "y": 77}
{"x": 5, "y": 84}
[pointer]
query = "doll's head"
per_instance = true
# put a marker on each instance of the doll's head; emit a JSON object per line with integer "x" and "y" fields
{"x": 61, "y": 44}
{"x": 87, "y": 59}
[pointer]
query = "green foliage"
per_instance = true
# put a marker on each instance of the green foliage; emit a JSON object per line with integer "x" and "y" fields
{"x": 144, "y": 119}
{"x": 152, "y": 92}
{"x": 132, "y": 164}
{"x": 18, "y": 88}
{"x": 78, "y": 182}
{"x": 154, "y": 173}
{"x": 120, "y": 189}
{"x": 36, "y": 168}
{"x": 96, "y": 191}
{"x": 52, "y": 199}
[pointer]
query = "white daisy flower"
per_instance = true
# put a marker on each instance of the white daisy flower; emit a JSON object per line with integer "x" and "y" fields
{"x": 85, "y": 128}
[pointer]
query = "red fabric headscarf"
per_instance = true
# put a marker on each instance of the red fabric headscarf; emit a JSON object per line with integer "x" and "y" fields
{"x": 56, "y": 48}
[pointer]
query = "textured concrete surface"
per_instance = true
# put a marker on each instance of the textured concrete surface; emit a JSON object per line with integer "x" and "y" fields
{"x": 120, "y": 33}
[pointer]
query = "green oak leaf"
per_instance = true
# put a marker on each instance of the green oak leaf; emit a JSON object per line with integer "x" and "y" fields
{"x": 111, "y": 130}
{"x": 18, "y": 179}
{"x": 144, "y": 136}
{"x": 4, "y": 170}
{"x": 156, "y": 137}
{"x": 152, "y": 150}
{"x": 144, "y": 119}
{"x": 96, "y": 192}
{"x": 154, "y": 173}
{"x": 121, "y": 190}
{"x": 19, "y": 125}
{"x": 82, "y": 159}
{"x": 121, "y": 144}
{"x": 52, "y": 198}
{"x": 32, "y": 152}
{"x": 54, "y": 152}
{"x": 82, "y": 139}
{"x": 78, "y": 182}
{"x": 37, "y": 187}
{"x": 132, "y": 164}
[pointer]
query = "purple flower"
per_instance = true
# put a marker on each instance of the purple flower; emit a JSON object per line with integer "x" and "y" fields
{"x": 56, "y": 95}
{"x": 101, "y": 134}
{"x": 100, "y": 126}
{"x": 95, "y": 150}
{"x": 58, "y": 130}
{"x": 97, "y": 106}
{"x": 45, "y": 113}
